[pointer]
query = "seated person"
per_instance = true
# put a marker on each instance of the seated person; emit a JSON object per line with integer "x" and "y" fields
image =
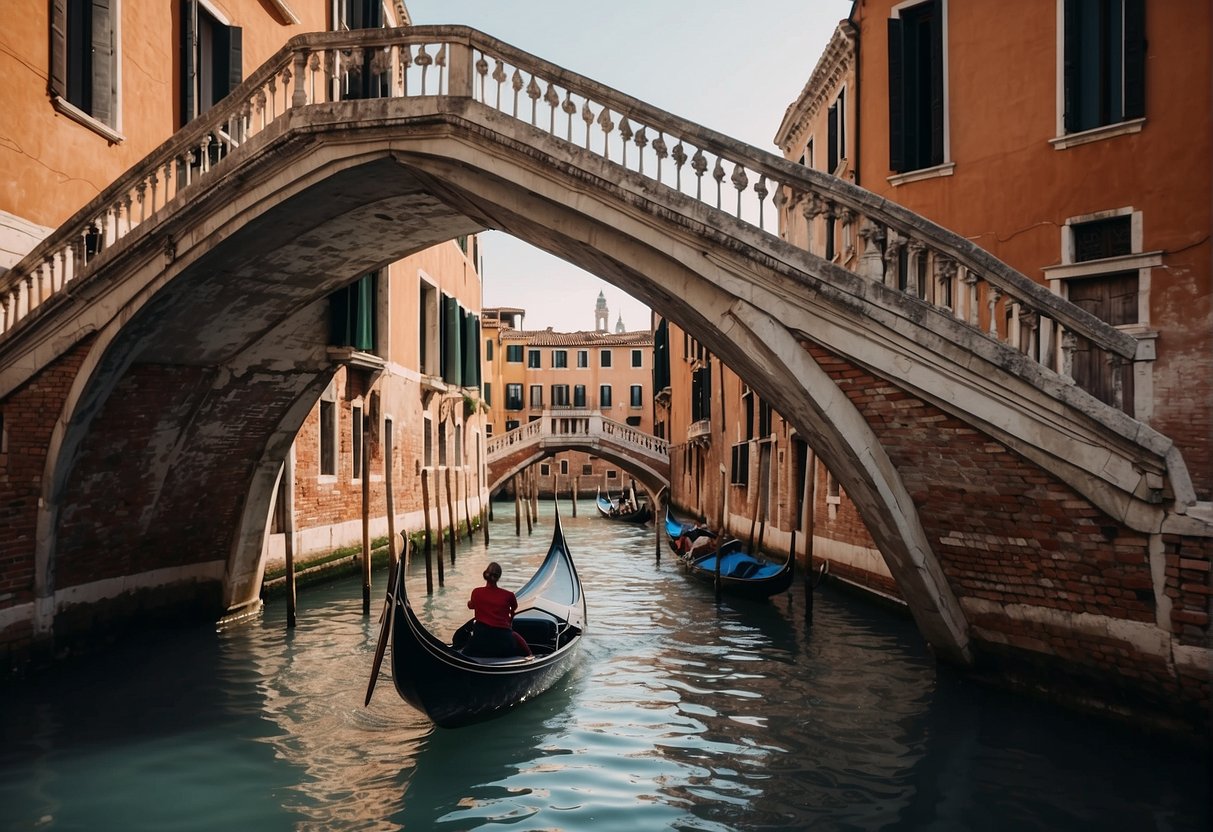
{"x": 493, "y": 634}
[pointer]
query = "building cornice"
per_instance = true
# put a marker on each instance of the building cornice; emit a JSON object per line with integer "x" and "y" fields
{"x": 838, "y": 56}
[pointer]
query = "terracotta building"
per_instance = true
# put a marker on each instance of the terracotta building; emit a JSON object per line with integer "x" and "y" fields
{"x": 1066, "y": 144}
{"x": 533, "y": 373}
{"x": 93, "y": 87}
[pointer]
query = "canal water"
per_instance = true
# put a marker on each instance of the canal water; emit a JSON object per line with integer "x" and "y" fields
{"x": 681, "y": 714}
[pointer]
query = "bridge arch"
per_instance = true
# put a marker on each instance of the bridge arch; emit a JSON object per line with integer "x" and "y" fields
{"x": 218, "y": 295}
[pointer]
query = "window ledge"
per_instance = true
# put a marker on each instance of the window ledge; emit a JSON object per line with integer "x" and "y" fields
{"x": 76, "y": 114}
{"x": 926, "y": 173}
{"x": 1106, "y": 265}
{"x": 1098, "y": 134}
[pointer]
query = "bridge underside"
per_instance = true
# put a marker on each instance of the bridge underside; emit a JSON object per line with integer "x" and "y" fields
{"x": 204, "y": 352}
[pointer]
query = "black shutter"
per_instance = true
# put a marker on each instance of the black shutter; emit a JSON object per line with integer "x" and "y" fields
{"x": 832, "y": 131}
{"x": 235, "y": 57}
{"x": 58, "y": 79}
{"x": 189, "y": 60}
{"x": 1135, "y": 58}
{"x": 897, "y": 126}
{"x": 372, "y": 14}
{"x": 936, "y": 23}
{"x": 1071, "y": 83}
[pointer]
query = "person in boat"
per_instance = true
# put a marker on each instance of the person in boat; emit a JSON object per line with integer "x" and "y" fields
{"x": 493, "y": 633}
{"x": 697, "y": 538}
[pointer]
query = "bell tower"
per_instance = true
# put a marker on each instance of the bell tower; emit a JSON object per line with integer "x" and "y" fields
{"x": 602, "y": 316}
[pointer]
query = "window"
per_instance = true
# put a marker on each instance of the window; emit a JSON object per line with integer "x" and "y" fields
{"x": 637, "y": 358}
{"x": 560, "y": 395}
{"x": 740, "y": 464}
{"x": 532, "y": 359}
{"x": 427, "y": 329}
{"x": 427, "y": 442}
{"x": 1097, "y": 239}
{"x": 84, "y": 61}
{"x": 513, "y": 397}
{"x": 354, "y": 80}
{"x": 604, "y": 396}
{"x": 560, "y": 358}
{"x": 604, "y": 358}
{"x": 328, "y": 438}
{"x": 536, "y": 395}
{"x": 831, "y": 233}
{"x": 488, "y": 393}
{"x": 579, "y": 395}
{"x": 633, "y": 421}
{"x": 212, "y": 62}
{"x": 442, "y": 443}
{"x": 513, "y": 353}
{"x": 583, "y": 358}
{"x": 564, "y": 467}
{"x": 837, "y": 131}
{"x": 510, "y": 424}
{"x": 1105, "y": 62}
{"x": 352, "y": 314}
{"x": 636, "y": 396}
{"x": 612, "y": 474}
{"x": 458, "y": 444}
{"x": 545, "y": 470}
{"x": 488, "y": 349}
{"x": 587, "y": 470}
{"x": 916, "y": 87}
{"x": 356, "y": 440}
{"x": 701, "y": 394}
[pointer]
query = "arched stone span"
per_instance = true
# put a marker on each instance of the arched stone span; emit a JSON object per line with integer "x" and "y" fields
{"x": 207, "y": 320}
{"x": 502, "y": 470}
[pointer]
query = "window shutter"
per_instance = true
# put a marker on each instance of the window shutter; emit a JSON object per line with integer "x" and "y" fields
{"x": 189, "y": 62}
{"x": 103, "y": 62}
{"x": 372, "y": 15}
{"x": 364, "y": 324}
{"x": 832, "y": 125}
{"x": 58, "y": 80}
{"x": 1070, "y": 63}
{"x": 1135, "y": 58}
{"x": 936, "y": 85}
{"x": 471, "y": 352}
{"x": 897, "y": 151}
{"x": 235, "y": 57}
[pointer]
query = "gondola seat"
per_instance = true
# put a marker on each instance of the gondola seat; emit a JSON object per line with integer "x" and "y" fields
{"x": 538, "y": 628}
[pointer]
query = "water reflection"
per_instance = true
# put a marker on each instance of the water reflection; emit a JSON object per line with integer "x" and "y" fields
{"x": 681, "y": 714}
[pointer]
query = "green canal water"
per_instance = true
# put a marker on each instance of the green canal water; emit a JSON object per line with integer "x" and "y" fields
{"x": 681, "y": 714}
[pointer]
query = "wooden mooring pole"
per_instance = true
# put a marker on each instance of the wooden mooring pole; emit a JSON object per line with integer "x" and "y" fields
{"x": 390, "y": 500}
{"x": 576, "y": 488}
{"x": 429, "y": 552}
{"x": 365, "y": 450}
{"x": 467, "y": 505}
{"x": 451, "y": 517}
{"x": 288, "y": 531}
{"x": 517, "y": 508}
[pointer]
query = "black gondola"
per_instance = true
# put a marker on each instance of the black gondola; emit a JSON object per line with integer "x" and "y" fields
{"x": 453, "y": 689}
{"x": 740, "y": 573}
{"x": 612, "y": 509}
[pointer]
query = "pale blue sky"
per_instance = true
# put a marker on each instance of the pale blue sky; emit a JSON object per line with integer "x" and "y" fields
{"x": 731, "y": 66}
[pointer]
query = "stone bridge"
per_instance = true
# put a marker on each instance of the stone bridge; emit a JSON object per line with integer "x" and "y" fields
{"x": 644, "y": 456}
{"x": 160, "y": 350}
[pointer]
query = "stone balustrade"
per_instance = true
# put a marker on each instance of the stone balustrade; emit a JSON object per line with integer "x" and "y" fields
{"x": 576, "y": 423}
{"x": 878, "y": 240}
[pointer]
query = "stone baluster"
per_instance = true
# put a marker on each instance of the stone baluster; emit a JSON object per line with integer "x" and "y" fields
{"x": 424, "y": 60}
{"x": 830, "y": 210}
{"x": 299, "y": 99}
{"x": 973, "y": 315}
{"x": 625, "y": 137}
{"x": 607, "y": 126}
{"x": 35, "y": 279}
{"x": 204, "y": 155}
{"x": 78, "y": 255}
{"x": 1117, "y": 365}
{"x": 1013, "y": 333}
{"x": 533, "y": 93}
{"x": 587, "y": 116}
{"x": 1030, "y": 321}
{"x": 64, "y": 276}
{"x": 28, "y": 294}
{"x": 516, "y": 85}
{"x": 6, "y": 313}
{"x": 482, "y": 72}
{"x": 313, "y": 67}
{"x": 127, "y": 205}
{"x": 916, "y": 251}
{"x": 1069, "y": 342}
{"x": 810, "y": 208}
{"x": 718, "y": 175}
{"x": 740, "y": 183}
{"x": 660, "y": 151}
{"x": 569, "y": 108}
{"x": 895, "y": 251}
{"x": 464, "y": 90}
{"x": 499, "y": 77}
{"x": 760, "y": 189}
{"x": 783, "y": 215}
{"x": 848, "y": 242}
{"x": 552, "y": 98}
{"x": 699, "y": 165}
{"x": 992, "y": 305}
{"x": 871, "y": 263}
{"x": 641, "y": 140}
{"x": 945, "y": 282}
{"x": 140, "y": 197}
{"x": 679, "y": 155}
{"x": 272, "y": 86}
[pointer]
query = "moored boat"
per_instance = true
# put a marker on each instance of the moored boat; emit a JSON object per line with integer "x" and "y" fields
{"x": 455, "y": 689}
{"x": 619, "y": 509}
{"x": 710, "y": 560}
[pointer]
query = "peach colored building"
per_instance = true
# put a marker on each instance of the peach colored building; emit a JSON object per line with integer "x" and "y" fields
{"x": 92, "y": 86}
{"x": 532, "y": 372}
{"x": 1065, "y": 141}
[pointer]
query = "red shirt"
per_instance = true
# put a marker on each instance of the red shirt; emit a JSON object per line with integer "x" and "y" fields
{"x": 494, "y": 606}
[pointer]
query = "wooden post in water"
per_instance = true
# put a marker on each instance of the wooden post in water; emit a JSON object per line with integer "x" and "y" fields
{"x": 288, "y": 531}
{"x": 757, "y": 506}
{"x": 576, "y": 488}
{"x": 535, "y": 496}
{"x": 810, "y": 499}
{"x": 467, "y": 505}
{"x": 529, "y": 480}
{"x": 388, "y": 462}
{"x": 365, "y": 450}
{"x": 485, "y": 516}
{"x": 439, "y": 525}
{"x": 517, "y": 508}
{"x": 450, "y": 513}
{"x": 429, "y": 555}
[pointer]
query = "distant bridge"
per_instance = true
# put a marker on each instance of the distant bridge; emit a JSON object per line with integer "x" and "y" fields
{"x": 644, "y": 456}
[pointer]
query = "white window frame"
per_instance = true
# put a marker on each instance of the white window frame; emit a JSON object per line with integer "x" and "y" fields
{"x": 946, "y": 167}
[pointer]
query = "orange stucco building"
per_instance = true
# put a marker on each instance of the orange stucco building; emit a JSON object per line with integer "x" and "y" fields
{"x": 93, "y": 87}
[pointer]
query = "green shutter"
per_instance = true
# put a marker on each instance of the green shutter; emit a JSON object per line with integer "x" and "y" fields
{"x": 452, "y": 365}
{"x": 364, "y": 317}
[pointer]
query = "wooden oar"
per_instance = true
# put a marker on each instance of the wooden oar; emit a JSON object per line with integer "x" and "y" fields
{"x": 389, "y": 614}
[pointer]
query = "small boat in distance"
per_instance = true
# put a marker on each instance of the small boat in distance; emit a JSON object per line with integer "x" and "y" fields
{"x": 619, "y": 508}
{"x": 710, "y": 560}
{"x": 454, "y": 689}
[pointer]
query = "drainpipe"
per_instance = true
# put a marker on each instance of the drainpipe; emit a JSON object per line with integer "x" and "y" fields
{"x": 857, "y": 134}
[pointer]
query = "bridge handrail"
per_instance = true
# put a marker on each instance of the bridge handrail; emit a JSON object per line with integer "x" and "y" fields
{"x": 890, "y": 245}
{"x": 585, "y": 423}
